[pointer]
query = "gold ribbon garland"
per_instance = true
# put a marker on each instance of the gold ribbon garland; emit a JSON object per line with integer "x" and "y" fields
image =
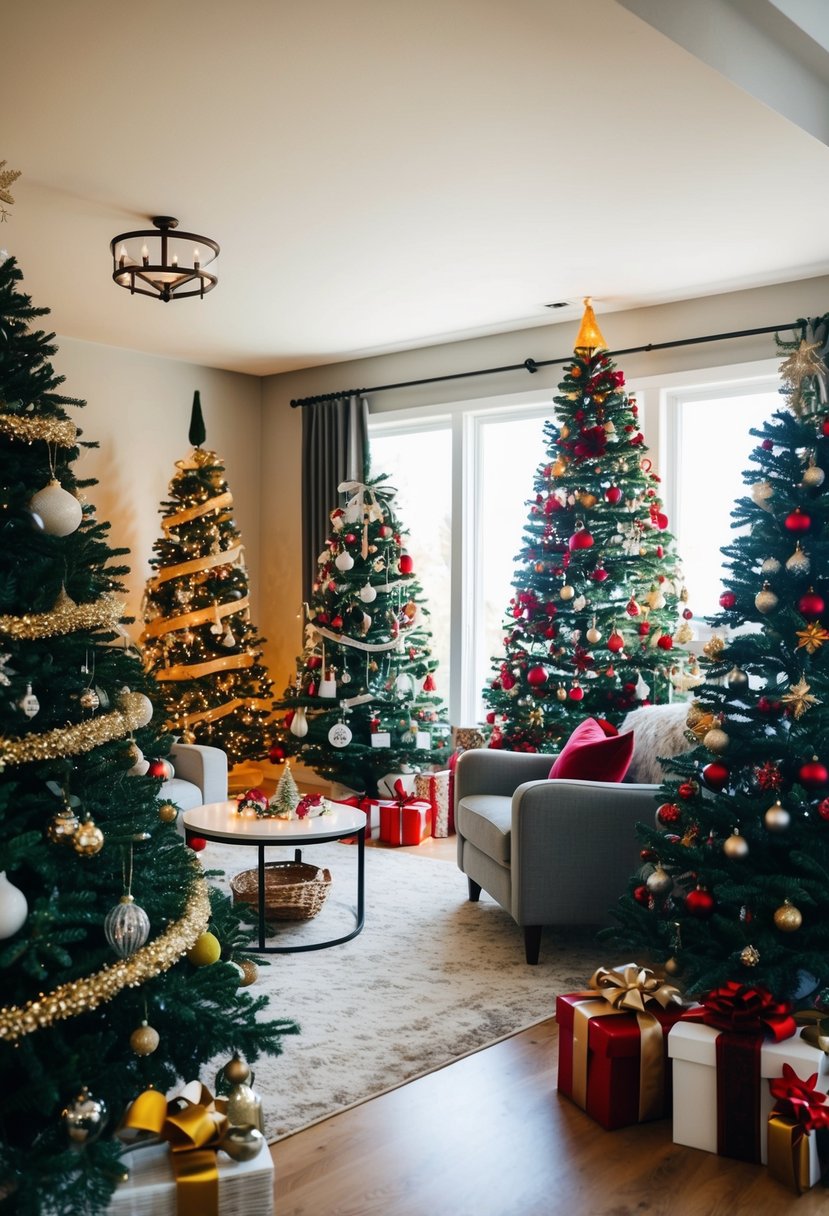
{"x": 65, "y": 617}
{"x": 202, "y": 508}
{"x": 82, "y": 995}
{"x": 193, "y": 1125}
{"x": 221, "y": 711}
{"x": 225, "y": 558}
{"x": 626, "y": 990}
{"x": 181, "y": 671}
{"x": 71, "y": 740}
{"x": 201, "y": 616}
{"x": 60, "y": 431}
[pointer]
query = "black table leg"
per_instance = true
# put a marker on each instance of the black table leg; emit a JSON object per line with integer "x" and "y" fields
{"x": 261, "y": 849}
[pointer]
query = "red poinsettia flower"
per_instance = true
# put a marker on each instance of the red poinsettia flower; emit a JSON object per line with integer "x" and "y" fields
{"x": 591, "y": 443}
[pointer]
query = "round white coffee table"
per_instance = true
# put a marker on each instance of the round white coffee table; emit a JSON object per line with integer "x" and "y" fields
{"x": 220, "y": 821}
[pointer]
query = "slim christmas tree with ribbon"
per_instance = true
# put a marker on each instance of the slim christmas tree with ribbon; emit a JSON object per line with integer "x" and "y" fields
{"x": 599, "y": 602}
{"x": 364, "y": 702}
{"x": 735, "y": 878}
{"x": 199, "y": 641}
{"x": 117, "y": 962}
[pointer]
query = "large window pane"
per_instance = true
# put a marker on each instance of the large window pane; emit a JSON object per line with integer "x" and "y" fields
{"x": 419, "y": 465}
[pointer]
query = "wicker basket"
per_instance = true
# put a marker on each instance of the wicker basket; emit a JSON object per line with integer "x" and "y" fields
{"x": 293, "y": 890}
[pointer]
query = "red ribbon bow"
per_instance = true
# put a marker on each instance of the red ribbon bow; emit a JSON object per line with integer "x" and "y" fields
{"x": 401, "y": 797}
{"x": 734, "y": 1007}
{"x": 799, "y": 1100}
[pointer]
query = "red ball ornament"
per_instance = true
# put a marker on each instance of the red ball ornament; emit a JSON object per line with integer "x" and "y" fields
{"x": 644, "y": 629}
{"x": 490, "y": 718}
{"x": 715, "y": 775}
{"x": 825, "y": 426}
{"x": 647, "y": 855}
{"x": 385, "y": 531}
{"x": 798, "y": 521}
{"x": 813, "y": 774}
{"x": 536, "y": 676}
{"x": 507, "y": 682}
{"x": 406, "y": 565}
{"x": 313, "y": 662}
{"x": 811, "y": 605}
{"x": 661, "y": 520}
{"x": 576, "y": 693}
{"x": 665, "y": 642}
{"x": 276, "y": 754}
{"x": 699, "y": 902}
{"x": 197, "y": 843}
{"x": 686, "y": 614}
{"x": 336, "y": 622}
{"x": 642, "y": 895}
{"x": 581, "y": 539}
{"x": 615, "y": 642}
{"x": 613, "y": 494}
{"x": 599, "y": 574}
{"x": 688, "y": 789}
{"x": 160, "y": 768}
{"x": 668, "y": 813}
{"x": 632, "y": 608}
{"x": 728, "y": 599}
{"x": 349, "y": 538}
{"x": 823, "y": 808}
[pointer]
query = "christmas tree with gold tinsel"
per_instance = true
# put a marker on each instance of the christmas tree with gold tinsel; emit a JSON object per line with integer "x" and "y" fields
{"x": 735, "y": 881}
{"x": 116, "y": 960}
{"x": 199, "y": 641}
{"x": 599, "y": 601}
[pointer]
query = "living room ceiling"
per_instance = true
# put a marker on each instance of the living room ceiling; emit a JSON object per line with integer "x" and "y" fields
{"x": 382, "y": 174}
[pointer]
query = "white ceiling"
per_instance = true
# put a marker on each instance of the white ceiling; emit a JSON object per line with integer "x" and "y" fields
{"x": 384, "y": 174}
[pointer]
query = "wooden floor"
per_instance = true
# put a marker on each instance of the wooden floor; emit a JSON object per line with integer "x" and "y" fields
{"x": 490, "y": 1136}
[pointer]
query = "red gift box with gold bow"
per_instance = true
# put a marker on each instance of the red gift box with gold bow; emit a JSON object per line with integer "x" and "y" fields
{"x": 612, "y": 1056}
{"x": 405, "y": 819}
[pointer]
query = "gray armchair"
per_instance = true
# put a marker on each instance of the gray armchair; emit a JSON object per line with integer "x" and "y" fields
{"x": 549, "y": 852}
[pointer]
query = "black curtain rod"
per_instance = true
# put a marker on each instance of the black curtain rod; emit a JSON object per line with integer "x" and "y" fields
{"x": 532, "y": 365}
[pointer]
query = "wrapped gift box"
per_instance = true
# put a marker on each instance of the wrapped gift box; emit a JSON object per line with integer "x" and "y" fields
{"x": 613, "y": 1092}
{"x": 245, "y": 1187}
{"x": 434, "y": 788}
{"x": 733, "y": 1124}
{"x": 405, "y": 823}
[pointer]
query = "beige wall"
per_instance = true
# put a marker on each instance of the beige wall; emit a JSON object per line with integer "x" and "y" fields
{"x": 282, "y": 426}
{"x": 138, "y": 411}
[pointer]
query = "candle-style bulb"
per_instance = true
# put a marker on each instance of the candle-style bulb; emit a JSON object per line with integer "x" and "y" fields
{"x": 122, "y": 257}
{"x": 145, "y": 255}
{"x": 196, "y": 259}
{"x": 175, "y": 259}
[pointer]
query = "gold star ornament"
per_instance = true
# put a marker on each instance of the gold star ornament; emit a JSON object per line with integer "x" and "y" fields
{"x": 801, "y": 363}
{"x": 799, "y": 698}
{"x": 7, "y": 178}
{"x": 812, "y": 637}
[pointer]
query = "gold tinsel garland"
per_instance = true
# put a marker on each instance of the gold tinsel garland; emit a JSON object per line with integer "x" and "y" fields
{"x": 65, "y": 617}
{"x": 200, "y": 616}
{"x": 62, "y": 432}
{"x": 74, "y": 739}
{"x": 80, "y": 996}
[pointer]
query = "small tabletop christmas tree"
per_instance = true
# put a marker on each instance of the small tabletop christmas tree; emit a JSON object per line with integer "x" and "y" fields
{"x": 116, "y": 961}
{"x": 591, "y": 628}
{"x": 735, "y": 884}
{"x": 364, "y": 702}
{"x": 199, "y": 641}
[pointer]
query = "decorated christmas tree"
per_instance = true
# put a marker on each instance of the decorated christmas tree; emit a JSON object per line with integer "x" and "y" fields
{"x": 199, "y": 641}
{"x": 364, "y": 702}
{"x": 591, "y": 628}
{"x": 115, "y": 965}
{"x": 735, "y": 881}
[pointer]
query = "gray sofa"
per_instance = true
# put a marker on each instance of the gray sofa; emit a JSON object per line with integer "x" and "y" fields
{"x": 200, "y": 776}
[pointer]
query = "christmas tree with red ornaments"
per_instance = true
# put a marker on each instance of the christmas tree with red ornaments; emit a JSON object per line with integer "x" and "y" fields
{"x": 735, "y": 878}
{"x": 364, "y": 703}
{"x": 599, "y": 602}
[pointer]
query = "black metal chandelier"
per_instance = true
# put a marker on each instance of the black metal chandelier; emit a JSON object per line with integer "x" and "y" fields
{"x": 165, "y": 264}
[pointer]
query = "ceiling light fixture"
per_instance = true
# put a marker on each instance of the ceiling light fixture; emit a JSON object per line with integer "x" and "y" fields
{"x": 164, "y": 264}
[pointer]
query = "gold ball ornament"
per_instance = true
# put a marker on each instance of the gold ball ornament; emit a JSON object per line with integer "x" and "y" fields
{"x": 673, "y": 966}
{"x": 237, "y": 1070}
{"x": 205, "y": 950}
{"x": 567, "y": 591}
{"x": 659, "y": 881}
{"x": 735, "y": 846}
{"x": 63, "y": 826}
{"x": 761, "y": 492}
{"x": 750, "y": 956}
{"x": 561, "y": 693}
{"x": 144, "y": 1040}
{"x": 765, "y": 601}
{"x": 814, "y": 476}
{"x": 168, "y": 812}
{"x": 242, "y": 1143}
{"x": 716, "y": 740}
{"x": 777, "y": 818}
{"x": 788, "y": 918}
{"x": 88, "y": 839}
{"x": 250, "y": 973}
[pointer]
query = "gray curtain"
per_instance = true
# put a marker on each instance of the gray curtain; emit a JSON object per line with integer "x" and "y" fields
{"x": 334, "y": 449}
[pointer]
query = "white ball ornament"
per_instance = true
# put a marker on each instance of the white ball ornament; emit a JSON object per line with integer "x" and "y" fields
{"x": 139, "y": 707}
{"x": 368, "y": 593}
{"x": 344, "y": 560}
{"x": 770, "y": 566}
{"x": 13, "y": 907}
{"x": 761, "y": 492}
{"x": 339, "y": 735}
{"x": 299, "y": 724}
{"x": 60, "y": 511}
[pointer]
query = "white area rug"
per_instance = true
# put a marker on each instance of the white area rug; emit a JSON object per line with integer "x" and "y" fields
{"x": 432, "y": 977}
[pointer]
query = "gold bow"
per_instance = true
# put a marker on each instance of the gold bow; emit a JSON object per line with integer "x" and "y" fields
{"x": 628, "y": 989}
{"x": 193, "y": 1125}
{"x": 815, "y": 1028}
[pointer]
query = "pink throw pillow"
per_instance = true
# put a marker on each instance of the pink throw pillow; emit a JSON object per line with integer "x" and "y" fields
{"x": 594, "y": 752}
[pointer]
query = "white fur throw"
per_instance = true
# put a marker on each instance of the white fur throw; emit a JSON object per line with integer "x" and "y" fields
{"x": 658, "y": 730}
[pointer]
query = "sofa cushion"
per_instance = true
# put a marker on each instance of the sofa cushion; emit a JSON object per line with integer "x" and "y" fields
{"x": 594, "y": 752}
{"x": 486, "y": 820}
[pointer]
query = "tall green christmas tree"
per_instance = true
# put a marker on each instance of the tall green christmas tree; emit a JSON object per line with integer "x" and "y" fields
{"x": 364, "y": 702}
{"x": 100, "y": 900}
{"x": 590, "y": 630}
{"x": 735, "y": 882}
{"x": 199, "y": 640}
